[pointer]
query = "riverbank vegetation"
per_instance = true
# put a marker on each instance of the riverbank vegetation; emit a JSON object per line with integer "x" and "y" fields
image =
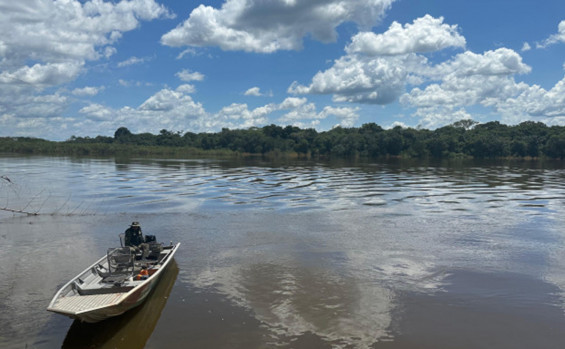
{"x": 463, "y": 139}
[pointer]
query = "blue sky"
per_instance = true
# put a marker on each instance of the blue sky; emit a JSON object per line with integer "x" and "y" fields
{"x": 85, "y": 68}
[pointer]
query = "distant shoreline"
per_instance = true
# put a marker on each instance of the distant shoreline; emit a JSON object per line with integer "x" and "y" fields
{"x": 463, "y": 140}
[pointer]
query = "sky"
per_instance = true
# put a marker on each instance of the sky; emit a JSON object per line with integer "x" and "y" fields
{"x": 86, "y": 68}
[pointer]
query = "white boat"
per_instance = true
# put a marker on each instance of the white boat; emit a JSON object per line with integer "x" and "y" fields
{"x": 117, "y": 282}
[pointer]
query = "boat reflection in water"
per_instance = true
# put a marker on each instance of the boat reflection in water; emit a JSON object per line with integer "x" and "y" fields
{"x": 133, "y": 328}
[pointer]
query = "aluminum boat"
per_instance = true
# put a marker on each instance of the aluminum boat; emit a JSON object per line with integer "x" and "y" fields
{"x": 117, "y": 282}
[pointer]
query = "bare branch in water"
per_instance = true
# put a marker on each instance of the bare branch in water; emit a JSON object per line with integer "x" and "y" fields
{"x": 63, "y": 205}
{"x": 35, "y": 205}
{"x": 24, "y": 210}
{"x": 19, "y": 211}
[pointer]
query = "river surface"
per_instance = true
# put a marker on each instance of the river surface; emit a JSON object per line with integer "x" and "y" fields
{"x": 393, "y": 254}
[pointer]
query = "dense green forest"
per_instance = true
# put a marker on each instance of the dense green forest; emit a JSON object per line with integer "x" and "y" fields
{"x": 463, "y": 139}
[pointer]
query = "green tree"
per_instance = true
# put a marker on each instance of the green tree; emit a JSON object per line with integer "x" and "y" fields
{"x": 122, "y": 135}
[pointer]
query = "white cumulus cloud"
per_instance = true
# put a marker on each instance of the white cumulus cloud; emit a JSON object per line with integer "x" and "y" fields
{"x": 171, "y": 109}
{"x": 500, "y": 62}
{"x": 41, "y": 75}
{"x": 58, "y": 37}
{"x": 51, "y": 31}
{"x": 174, "y": 109}
{"x": 425, "y": 34}
{"x": 131, "y": 61}
{"x": 394, "y": 66}
{"x": 87, "y": 91}
{"x": 555, "y": 38}
{"x": 187, "y": 75}
{"x": 468, "y": 79}
{"x": 256, "y": 92}
{"x": 377, "y": 67}
{"x": 437, "y": 116}
{"x": 269, "y": 26}
{"x": 360, "y": 79}
{"x": 304, "y": 114}
{"x": 534, "y": 101}
{"x": 96, "y": 112}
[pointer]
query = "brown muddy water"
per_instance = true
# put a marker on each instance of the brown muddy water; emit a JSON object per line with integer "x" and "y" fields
{"x": 293, "y": 254}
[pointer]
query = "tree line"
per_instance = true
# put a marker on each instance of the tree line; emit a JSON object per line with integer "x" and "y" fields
{"x": 463, "y": 139}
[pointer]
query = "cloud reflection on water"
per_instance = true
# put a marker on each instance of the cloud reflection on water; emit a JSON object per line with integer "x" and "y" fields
{"x": 293, "y": 301}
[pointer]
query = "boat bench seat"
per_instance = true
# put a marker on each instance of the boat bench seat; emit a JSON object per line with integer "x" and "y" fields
{"x": 84, "y": 291}
{"x": 114, "y": 278}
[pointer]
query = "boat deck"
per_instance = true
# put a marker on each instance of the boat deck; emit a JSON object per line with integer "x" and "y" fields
{"x": 78, "y": 304}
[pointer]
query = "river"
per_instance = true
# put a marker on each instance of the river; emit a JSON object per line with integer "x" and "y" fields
{"x": 293, "y": 254}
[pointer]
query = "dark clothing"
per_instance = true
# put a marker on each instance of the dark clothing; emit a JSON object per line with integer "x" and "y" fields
{"x": 134, "y": 237}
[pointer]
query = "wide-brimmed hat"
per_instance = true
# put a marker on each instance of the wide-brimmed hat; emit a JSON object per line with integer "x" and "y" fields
{"x": 135, "y": 224}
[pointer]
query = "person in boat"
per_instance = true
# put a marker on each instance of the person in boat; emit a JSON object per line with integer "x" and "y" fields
{"x": 134, "y": 238}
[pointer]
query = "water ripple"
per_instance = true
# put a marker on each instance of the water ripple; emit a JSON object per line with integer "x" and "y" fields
{"x": 173, "y": 185}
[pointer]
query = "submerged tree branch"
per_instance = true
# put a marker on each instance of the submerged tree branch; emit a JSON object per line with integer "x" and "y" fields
{"x": 15, "y": 210}
{"x": 19, "y": 211}
{"x": 6, "y": 179}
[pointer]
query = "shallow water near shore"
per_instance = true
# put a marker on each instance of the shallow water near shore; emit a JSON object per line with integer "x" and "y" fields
{"x": 293, "y": 254}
